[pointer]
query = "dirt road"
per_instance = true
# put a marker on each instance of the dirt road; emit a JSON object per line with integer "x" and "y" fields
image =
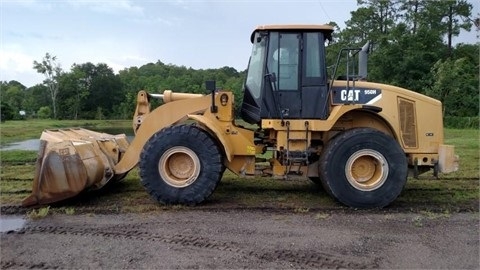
{"x": 236, "y": 238}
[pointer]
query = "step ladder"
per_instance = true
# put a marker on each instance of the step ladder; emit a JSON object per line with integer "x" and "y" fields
{"x": 294, "y": 160}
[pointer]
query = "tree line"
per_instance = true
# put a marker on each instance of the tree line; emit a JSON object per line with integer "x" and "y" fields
{"x": 412, "y": 47}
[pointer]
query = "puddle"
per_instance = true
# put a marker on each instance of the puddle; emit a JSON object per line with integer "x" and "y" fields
{"x": 11, "y": 223}
{"x": 34, "y": 144}
{"x": 29, "y": 145}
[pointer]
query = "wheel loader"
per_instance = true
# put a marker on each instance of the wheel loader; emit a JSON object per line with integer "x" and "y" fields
{"x": 360, "y": 140}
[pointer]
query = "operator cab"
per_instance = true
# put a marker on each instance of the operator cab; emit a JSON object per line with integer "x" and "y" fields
{"x": 286, "y": 76}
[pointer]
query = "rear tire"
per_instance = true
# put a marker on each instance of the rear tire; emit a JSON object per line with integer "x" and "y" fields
{"x": 181, "y": 165}
{"x": 363, "y": 168}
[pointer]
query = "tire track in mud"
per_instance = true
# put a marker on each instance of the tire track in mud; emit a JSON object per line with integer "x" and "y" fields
{"x": 18, "y": 191}
{"x": 299, "y": 258}
{"x": 311, "y": 259}
{"x": 13, "y": 210}
{"x": 22, "y": 265}
{"x": 13, "y": 179}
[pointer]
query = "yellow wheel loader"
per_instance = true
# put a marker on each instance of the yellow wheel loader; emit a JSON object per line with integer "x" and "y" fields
{"x": 358, "y": 139}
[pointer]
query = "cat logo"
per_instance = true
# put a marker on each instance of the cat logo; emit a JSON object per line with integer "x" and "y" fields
{"x": 356, "y": 95}
{"x": 350, "y": 95}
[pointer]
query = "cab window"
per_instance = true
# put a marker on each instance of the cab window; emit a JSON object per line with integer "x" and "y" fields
{"x": 284, "y": 61}
{"x": 313, "y": 53}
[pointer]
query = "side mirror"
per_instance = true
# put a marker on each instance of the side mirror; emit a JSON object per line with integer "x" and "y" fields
{"x": 211, "y": 86}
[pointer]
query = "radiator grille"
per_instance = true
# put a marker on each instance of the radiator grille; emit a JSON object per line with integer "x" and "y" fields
{"x": 408, "y": 123}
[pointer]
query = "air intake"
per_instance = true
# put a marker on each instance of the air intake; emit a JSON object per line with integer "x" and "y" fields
{"x": 408, "y": 123}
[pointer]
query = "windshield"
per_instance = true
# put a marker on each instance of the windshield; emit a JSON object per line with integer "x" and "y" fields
{"x": 255, "y": 67}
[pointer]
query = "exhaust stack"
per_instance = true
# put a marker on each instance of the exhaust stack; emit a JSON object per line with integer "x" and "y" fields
{"x": 362, "y": 61}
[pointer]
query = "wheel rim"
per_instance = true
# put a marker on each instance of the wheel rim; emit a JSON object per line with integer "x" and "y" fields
{"x": 179, "y": 166}
{"x": 366, "y": 170}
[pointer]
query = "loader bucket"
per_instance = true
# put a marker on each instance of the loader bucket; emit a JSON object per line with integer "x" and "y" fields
{"x": 72, "y": 160}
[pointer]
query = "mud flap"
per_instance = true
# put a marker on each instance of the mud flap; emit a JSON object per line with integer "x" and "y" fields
{"x": 448, "y": 161}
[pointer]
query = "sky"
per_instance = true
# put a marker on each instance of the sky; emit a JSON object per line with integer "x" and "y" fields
{"x": 127, "y": 33}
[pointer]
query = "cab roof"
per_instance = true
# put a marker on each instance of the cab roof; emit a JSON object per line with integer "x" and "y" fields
{"x": 327, "y": 29}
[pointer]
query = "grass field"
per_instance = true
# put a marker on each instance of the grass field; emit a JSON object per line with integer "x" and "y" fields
{"x": 454, "y": 192}
{"x": 13, "y": 131}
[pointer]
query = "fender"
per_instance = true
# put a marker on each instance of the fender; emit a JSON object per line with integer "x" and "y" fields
{"x": 236, "y": 141}
{"x": 163, "y": 116}
{"x": 218, "y": 131}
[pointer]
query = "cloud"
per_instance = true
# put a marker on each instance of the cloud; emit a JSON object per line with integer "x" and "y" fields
{"x": 16, "y": 65}
{"x": 15, "y": 61}
{"x": 35, "y": 5}
{"x": 34, "y": 36}
{"x": 182, "y": 4}
{"x": 126, "y": 61}
{"x": 109, "y": 7}
{"x": 154, "y": 21}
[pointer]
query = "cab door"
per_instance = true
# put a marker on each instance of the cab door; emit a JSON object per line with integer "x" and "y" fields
{"x": 283, "y": 61}
{"x": 314, "y": 87}
{"x": 299, "y": 85}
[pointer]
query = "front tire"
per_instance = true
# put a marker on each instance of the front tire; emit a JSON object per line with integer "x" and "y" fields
{"x": 363, "y": 168}
{"x": 181, "y": 165}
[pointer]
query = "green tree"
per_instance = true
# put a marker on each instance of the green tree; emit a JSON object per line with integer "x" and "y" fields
{"x": 52, "y": 71}
{"x": 75, "y": 87}
{"x": 6, "y": 111}
{"x": 407, "y": 35}
{"x": 104, "y": 89}
{"x": 453, "y": 84}
{"x": 371, "y": 21}
{"x": 44, "y": 112}
{"x": 411, "y": 10}
{"x": 449, "y": 17}
{"x": 407, "y": 59}
{"x": 13, "y": 93}
{"x": 35, "y": 98}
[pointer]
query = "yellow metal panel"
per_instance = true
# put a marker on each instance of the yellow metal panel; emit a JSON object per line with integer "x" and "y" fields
{"x": 235, "y": 140}
{"x": 277, "y": 168}
{"x": 242, "y": 165}
{"x": 297, "y": 140}
{"x": 163, "y": 116}
{"x": 219, "y": 132}
{"x": 319, "y": 27}
{"x": 428, "y": 113}
{"x": 357, "y": 118}
{"x": 423, "y": 159}
{"x": 224, "y": 102}
{"x": 289, "y": 27}
{"x": 314, "y": 124}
